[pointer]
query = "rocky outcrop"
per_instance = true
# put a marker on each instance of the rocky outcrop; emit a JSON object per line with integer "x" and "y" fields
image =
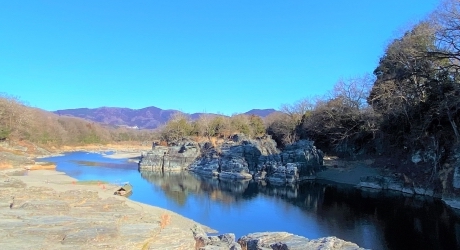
{"x": 444, "y": 185}
{"x": 297, "y": 162}
{"x": 174, "y": 158}
{"x": 239, "y": 158}
{"x": 268, "y": 240}
{"x": 243, "y": 158}
{"x": 452, "y": 197}
{"x": 221, "y": 242}
{"x": 394, "y": 184}
{"x": 283, "y": 240}
{"x": 235, "y": 159}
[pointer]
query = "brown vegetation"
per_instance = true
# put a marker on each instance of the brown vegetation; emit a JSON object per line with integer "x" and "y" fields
{"x": 211, "y": 126}
{"x": 23, "y": 124}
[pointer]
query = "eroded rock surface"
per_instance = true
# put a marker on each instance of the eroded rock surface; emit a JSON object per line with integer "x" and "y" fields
{"x": 287, "y": 241}
{"x": 173, "y": 158}
{"x": 394, "y": 184}
{"x": 268, "y": 241}
{"x": 83, "y": 217}
{"x": 243, "y": 158}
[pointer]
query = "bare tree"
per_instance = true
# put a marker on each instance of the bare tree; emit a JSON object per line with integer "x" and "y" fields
{"x": 354, "y": 91}
{"x": 297, "y": 110}
{"x": 206, "y": 126}
{"x": 446, "y": 21}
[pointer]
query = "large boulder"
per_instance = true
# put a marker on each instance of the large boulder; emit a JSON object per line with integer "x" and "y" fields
{"x": 221, "y": 242}
{"x": 287, "y": 241}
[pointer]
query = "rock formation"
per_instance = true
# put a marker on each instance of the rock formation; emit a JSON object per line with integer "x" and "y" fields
{"x": 268, "y": 240}
{"x": 173, "y": 158}
{"x": 394, "y": 184}
{"x": 243, "y": 158}
{"x": 283, "y": 240}
{"x": 239, "y": 158}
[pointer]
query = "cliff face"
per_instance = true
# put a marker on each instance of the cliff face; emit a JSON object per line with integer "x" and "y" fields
{"x": 239, "y": 158}
{"x": 243, "y": 158}
{"x": 174, "y": 158}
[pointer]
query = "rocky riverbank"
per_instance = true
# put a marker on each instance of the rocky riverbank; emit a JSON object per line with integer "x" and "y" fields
{"x": 46, "y": 209}
{"x": 240, "y": 158}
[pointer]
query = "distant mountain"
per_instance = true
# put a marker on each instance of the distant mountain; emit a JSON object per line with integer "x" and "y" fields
{"x": 146, "y": 118}
{"x": 261, "y": 112}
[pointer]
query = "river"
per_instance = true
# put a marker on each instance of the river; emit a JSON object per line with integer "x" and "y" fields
{"x": 375, "y": 220}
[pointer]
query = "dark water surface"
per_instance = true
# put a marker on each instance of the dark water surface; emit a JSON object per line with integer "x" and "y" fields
{"x": 373, "y": 220}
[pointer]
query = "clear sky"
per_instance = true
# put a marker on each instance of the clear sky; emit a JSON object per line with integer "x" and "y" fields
{"x": 217, "y": 56}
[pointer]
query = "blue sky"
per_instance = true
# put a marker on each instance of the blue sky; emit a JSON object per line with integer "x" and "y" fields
{"x": 217, "y": 56}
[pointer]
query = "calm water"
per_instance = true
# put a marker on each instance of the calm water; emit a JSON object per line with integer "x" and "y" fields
{"x": 370, "y": 219}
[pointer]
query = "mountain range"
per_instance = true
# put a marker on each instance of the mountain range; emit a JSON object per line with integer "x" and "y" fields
{"x": 145, "y": 118}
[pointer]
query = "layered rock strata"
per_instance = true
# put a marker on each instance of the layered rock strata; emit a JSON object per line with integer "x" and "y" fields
{"x": 174, "y": 158}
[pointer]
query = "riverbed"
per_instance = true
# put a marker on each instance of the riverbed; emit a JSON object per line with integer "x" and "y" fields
{"x": 376, "y": 220}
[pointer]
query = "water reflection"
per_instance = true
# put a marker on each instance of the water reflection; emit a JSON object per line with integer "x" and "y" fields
{"x": 177, "y": 185}
{"x": 372, "y": 219}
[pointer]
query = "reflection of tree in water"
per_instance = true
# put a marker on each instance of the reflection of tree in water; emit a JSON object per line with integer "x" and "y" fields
{"x": 308, "y": 196}
{"x": 178, "y": 185}
{"x": 225, "y": 191}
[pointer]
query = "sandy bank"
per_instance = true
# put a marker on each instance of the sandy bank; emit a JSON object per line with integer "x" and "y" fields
{"x": 124, "y": 155}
